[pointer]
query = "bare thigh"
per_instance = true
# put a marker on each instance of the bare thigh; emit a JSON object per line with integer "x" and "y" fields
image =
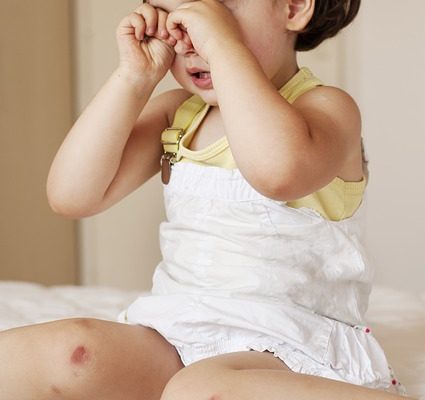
{"x": 85, "y": 359}
{"x": 253, "y": 375}
{"x": 199, "y": 376}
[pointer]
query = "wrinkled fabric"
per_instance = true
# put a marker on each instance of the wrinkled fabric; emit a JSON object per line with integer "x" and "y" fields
{"x": 241, "y": 271}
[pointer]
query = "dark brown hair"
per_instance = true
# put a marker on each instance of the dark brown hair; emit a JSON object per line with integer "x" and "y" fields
{"x": 329, "y": 17}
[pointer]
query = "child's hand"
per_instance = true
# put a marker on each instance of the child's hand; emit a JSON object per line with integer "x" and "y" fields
{"x": 145, "y": 45}
{"x": 205, "y": 25}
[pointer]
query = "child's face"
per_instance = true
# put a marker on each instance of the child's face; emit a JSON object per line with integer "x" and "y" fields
{"x": 262, "y": 28}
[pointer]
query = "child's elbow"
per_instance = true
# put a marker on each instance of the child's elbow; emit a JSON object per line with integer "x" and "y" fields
{"x": 64, "y": 210}
{"x": 280, "y": 192}
{"x": 282, "y": 187}
{"x": 285, "y": 186}
{"x": 294, "y": 186}
{"x": 66, "y": 206}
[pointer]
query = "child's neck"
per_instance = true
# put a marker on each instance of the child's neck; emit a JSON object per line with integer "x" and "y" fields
{"x": 286, "y": 72}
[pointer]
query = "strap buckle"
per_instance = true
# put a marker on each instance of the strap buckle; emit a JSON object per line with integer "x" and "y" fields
{"x": 172, "y": 133}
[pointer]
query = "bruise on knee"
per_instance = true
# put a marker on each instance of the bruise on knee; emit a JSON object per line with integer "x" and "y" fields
{"x": 80, "y": 356}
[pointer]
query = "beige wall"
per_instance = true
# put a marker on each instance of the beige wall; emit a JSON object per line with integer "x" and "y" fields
{"x": 386, "y": 65}
{"x": 35, "y": 114}
{"x": 378, "y": 61}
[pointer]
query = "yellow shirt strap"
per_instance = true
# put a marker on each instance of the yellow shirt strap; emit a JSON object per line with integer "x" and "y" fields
{"x": 171, "y": 137}
{"x": 301, "y": 82}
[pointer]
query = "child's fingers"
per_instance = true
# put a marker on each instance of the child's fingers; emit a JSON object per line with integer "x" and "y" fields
{"x": 139, "y": 25}
{"x": 150, "y": 14}
{"x": 174, "y": 25}
{"x": 162, "y": 32}
{"x": 147, "y": 20}
{"x": 162, "y": 24}
{"x": 186, "y": 39}
{"x": 132, "y": 25}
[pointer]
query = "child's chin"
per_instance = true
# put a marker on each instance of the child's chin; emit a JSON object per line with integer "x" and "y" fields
{"x": 209, "y": 97}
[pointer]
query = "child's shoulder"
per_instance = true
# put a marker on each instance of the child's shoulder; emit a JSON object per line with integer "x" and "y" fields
{"x": 331, "y": 107}
{"x": 329, "y": 100}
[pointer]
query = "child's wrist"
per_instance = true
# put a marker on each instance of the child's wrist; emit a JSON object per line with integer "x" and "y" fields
{"x": 140, "y": 83}
{"x": 233, "y": 50}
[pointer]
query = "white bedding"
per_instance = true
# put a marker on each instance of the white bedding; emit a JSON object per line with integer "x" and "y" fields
{"x": 396, "y": 318}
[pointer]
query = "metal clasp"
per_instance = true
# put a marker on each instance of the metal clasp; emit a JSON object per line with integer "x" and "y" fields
{"x": 167, "y": 161}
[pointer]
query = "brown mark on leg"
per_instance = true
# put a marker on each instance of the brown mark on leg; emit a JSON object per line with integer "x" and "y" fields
{"x": 80, "y": 355}
{"x": 55, "y": 389}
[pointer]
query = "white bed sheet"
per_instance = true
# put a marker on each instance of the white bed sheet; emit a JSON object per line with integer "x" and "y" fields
{"x": 396, "y": 318}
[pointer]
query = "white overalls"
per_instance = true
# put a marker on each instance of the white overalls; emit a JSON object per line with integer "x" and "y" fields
{"x": 243, "y": 272}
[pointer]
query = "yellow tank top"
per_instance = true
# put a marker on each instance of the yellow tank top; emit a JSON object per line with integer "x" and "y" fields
{"x": 336, "y": 201}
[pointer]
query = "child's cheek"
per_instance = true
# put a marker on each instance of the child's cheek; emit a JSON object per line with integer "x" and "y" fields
{"x": 178, "y": 70}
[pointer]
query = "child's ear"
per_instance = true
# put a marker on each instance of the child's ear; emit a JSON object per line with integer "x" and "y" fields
{"x": 299, "y": 14}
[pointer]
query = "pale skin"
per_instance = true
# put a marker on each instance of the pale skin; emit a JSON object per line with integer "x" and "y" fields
{"x": 114, "y": 147}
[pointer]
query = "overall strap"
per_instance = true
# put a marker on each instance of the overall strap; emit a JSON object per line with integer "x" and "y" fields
{"x": 171, "y": 137}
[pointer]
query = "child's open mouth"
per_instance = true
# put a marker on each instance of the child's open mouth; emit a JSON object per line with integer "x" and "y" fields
{"x": 202, "y": 79}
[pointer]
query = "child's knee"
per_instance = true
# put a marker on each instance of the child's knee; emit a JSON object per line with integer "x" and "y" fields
{"x": 61, "y": 359}
{"x": 74, "y": 358}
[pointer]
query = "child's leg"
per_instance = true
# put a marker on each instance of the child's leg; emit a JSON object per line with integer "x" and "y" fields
{"x": 85, "y": 359}
{"x": 250, "y": 376}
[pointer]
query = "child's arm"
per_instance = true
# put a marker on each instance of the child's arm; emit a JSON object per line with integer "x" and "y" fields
{"x": 285, "y": 151}
{"x": 114, "y": 147}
